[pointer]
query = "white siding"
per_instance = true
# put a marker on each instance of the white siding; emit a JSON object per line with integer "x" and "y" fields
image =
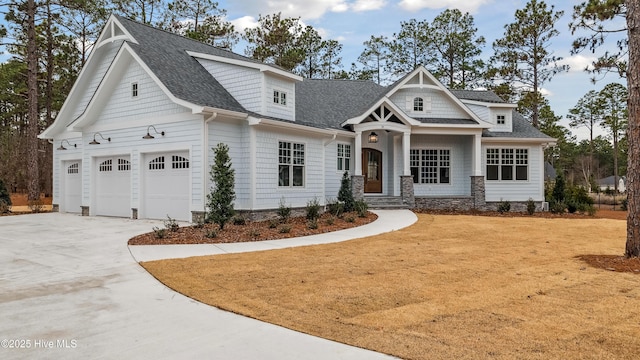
{"x": 276, "y": 110}
{"x": 180, "y": 135}
{"x": 235, "y": 135}
{"x": 441, "y": 105}
{"x": 517, "y": 190}
{"x": 333, "y": 176}
{"x": 151, "y": 100}
{"x": 244, "y": 84}
{"x": 460, "y": 162}
{"x": 99, "y": 65}
{"x": 268, "y": 193}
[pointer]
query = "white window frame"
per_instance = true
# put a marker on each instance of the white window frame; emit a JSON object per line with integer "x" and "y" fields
{"x": 343, "y": 157}
{"x": 513, "y": 159}
{"x": 418, "y": 104}
{"x": 421, "y": 165}
{"x": 135, "y": 90}
{"x": 501, "y": 119}
{"x": 292, "y": 161}
{"x": 280, "y": 97}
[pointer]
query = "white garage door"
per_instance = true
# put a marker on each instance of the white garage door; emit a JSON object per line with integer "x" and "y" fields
{"x": 72, "y": 186}
{"x": 113, "y": 186}
{"x": 166, "y": 186}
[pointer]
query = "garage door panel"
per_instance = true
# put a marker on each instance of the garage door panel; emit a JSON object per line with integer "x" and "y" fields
{"x": 166, "y": 186}
{"x": 72, "y": 173}
{"x": 113, "y": 186}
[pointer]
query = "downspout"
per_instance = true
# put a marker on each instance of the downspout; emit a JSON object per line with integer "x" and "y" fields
{"x": 205, "y": 149}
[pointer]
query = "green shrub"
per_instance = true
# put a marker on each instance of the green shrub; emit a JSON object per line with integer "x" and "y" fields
{"x": 335, "y": 208}
{"x": 239, "y": 220}
{"x": 159, "y": 233}
{"x": 330, "y": 220}
{"x": 572, "y": 206}
{"x": 273, "y": 223}
{"x": 504, "y": 206}
{"x": 254, "y": 233}
{"x": 312, "y": 224}
{"x": 284, "y": 211}
{"x": 220, "y": 200}
{"x": 345, "y": 194}
{"x": 557, "y": 207}
{"x": 313, "y": 209}
{"x": 171, "y": 224}
{"x": 350, "y": 219}
{"x": 211, "y": 233}
{"x": 285, "y": 229}
{"x": 531, "y": 206}
{"x": 361, "y": 207}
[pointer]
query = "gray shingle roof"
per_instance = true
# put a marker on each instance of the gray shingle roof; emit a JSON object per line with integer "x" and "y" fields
{"x": 447, "y": 121}
{"x": 521, "y": 129}
{"x": 319, "y": 103}
{"x": 478, "y": 95}
{"x": 165, "y": 54}
{"x": 327, "y": 103}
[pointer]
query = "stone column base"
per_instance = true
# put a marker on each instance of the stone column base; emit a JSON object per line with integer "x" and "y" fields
{"x": 406, "y": 190}
{"x": 55, "y": 207}
{"x": 198, "y": 217}
{"x": 357, "y": 186}
{"x": 134, "y": 213}
{"x": 85, "y": 210}
{"x": 478, "y": 192}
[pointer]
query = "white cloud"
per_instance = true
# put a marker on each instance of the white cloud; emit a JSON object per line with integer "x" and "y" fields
{"x": 243, "y": 23}
{"x": 470, "y": 6}
{"x": 341, "y": 7}
{"x": 368, "y": 5}
{"x": 577, "y": 63}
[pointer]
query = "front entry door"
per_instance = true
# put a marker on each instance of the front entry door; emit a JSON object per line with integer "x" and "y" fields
{"x": 372, "y": 170}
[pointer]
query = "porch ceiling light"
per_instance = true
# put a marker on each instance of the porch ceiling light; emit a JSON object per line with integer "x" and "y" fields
{"x": 95, "y": 142}
{"x": 373, "y": 137}
{"x": 67, "y": 141}
{"x": 149, "y": 136}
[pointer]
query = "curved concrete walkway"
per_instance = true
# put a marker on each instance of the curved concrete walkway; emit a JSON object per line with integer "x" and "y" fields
{"x": 70, "y": 289}
{"x": 388, "y": 220}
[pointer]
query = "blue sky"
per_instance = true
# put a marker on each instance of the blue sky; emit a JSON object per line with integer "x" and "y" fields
{"x": 353, "y": 21}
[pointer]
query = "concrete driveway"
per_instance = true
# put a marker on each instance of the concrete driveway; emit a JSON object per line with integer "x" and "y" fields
{"x": 69, "y": 288}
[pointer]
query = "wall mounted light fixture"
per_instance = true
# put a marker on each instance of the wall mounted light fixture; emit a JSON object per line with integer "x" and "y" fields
{"x": 95, "y": 142}
{"x": 373, "y": 137}
{"x": 149, "y": 136}
{"x": 68, "y": 143}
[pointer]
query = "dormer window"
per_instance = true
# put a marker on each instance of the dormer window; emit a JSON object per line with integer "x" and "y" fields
{"x": 134, "y": 90}
{"x": 501, "y": 119}
{"x": 418, "y": 104}
{"x": 280, "y": 97}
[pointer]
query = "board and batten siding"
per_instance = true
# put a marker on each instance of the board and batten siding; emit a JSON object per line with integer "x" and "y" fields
{"x": 277, "y": 110}
{"x": 496, "y": 190}
{"x": 101, "y": 61}
{"x": 243, "y": 83}
{"x": 441, "y": 105}
{"x": 268, "y": 193}
{"x": 460, "y": 164}
{"x": 151, "y": 100}
{"x": 234, "y": 134}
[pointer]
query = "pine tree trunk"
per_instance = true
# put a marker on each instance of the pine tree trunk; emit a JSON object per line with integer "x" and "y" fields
{"x": 633, "y": 167}
{"x": 33, "y": 173}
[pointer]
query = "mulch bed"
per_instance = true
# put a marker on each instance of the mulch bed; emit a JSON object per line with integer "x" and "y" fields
{"x": 253, "y": 231}
{"x": 613, "y": 263}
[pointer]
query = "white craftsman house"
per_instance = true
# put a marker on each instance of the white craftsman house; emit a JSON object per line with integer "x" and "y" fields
{"x": 135, "y": 135}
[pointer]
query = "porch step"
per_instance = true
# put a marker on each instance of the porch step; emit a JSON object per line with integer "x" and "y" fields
{"x": 385, "y": 202}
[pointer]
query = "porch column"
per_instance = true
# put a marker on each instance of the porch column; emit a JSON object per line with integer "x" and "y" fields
{"x": 477, "y": 155}
{"x": 358, "y": 154}
{"x": 406, "y": 145}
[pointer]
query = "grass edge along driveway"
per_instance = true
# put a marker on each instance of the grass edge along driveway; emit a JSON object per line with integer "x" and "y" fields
{"x": 446, "y": 287}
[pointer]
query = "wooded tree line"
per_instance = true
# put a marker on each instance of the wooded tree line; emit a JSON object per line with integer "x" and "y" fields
{"x": 50, "y": 41}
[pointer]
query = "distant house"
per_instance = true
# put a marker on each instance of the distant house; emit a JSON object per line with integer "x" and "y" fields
{"x": 134, "y": 137}
{"x": 609, "y": 183}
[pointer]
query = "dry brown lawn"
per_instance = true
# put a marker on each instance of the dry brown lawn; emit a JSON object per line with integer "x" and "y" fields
{"x": 447, "y": 287}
